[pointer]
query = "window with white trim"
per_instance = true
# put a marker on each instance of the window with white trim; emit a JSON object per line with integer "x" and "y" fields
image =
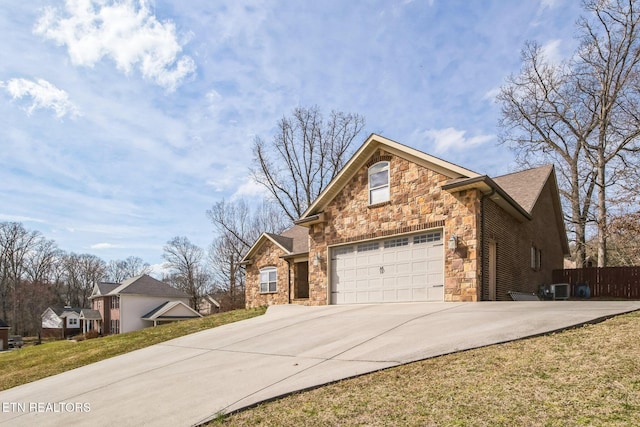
{"x": 392, "y": 243}
{"x": 268, "y": 280}
{"x": 379, "y": 183}
{"x": 115, "y": 326}
{"x": 372, "y": 246}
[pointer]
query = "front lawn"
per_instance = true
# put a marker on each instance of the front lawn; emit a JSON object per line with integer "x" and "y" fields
{"x": 588, "y": 376}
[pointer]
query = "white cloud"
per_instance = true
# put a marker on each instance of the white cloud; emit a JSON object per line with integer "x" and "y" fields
{"x": 19, "y": 218}
{"x": 104, "y": 246}
{"x": 125, "y": 31}
{"x": 43, "y": 94}
{"x": 451, "y": 139}
{"x": 550, "y": 4}
{"x": 251, "y": 189}
{"x": 491, "y": 94}
{"x": 551, "y": 51}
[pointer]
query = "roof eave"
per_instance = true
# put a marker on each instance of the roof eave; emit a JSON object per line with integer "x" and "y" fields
{"x": 310, "y": 220}
{"x": 247, "y": 258}
{"x": 296, "y": 255}
{"x": 492, "y": 190}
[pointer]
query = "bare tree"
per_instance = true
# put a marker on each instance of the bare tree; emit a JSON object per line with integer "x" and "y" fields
{"x": 185, "y": 261}
{"x": 120, "y": 270}
{"x": 237, "y": 228}
{"x": 81, "y": 273}
{"x": 609, "y": 67}
{"x": 40, "y": 262}
{"x": 623, "y": 232}
{"x": 16, "y": 242}
{"x": 305, "y": 154}
{"x": 582, "y": 113}
{"x": 32, "y": 300}
{"x": 544, "y": 120}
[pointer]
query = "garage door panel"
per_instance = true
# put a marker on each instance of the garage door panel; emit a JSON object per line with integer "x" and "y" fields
{"x": 404, "y": 268}
{"x": 394, "y": 269}
{"x": 419, "y": 294}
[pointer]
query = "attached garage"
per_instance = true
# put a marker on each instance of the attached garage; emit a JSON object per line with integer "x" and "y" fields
{"x": 405, "y": 268}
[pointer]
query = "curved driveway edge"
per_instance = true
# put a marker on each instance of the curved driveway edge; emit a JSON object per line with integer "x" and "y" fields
{"x": 188, "y": 380}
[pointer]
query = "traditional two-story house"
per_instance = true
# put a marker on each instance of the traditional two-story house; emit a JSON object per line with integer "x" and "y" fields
{"x": 136, "y": 303}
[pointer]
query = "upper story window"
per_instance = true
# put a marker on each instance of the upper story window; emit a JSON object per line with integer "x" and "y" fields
{"x": 379, "y": 183}
{"x": 115, "y": 301}
{"x": 268, "y": 280}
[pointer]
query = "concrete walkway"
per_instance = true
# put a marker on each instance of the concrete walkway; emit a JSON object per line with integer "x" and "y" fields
{"x": 189, "y": 380}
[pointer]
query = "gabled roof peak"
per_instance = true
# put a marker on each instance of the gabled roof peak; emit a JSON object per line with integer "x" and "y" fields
{"x": 361, "y": 157}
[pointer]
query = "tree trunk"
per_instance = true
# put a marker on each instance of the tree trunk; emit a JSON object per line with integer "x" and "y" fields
{"x": 602, "y": 210}
{"x": 577, "y": 218}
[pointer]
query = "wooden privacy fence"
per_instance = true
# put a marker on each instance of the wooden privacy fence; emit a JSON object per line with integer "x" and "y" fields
{"x": 610, "y": 282}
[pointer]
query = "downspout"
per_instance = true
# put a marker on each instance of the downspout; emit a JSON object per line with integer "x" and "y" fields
{"x": 288, "y": 281}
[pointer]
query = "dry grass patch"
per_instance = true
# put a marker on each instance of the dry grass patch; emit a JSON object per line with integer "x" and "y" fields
{"x": 35, "y": 362}
{"x": 586, "y": 376}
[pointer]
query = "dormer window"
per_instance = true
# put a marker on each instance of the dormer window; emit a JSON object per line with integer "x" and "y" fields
{"x": 379, "y": 183}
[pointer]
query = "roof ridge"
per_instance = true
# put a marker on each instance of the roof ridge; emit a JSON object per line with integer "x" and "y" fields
{"x": 548, "y": 165}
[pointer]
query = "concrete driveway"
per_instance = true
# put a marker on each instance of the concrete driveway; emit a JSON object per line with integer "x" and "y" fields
{"x": 189, "y": 380}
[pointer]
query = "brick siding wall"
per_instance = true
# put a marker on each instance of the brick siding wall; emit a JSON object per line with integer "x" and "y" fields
{"x": 514, "y": 241}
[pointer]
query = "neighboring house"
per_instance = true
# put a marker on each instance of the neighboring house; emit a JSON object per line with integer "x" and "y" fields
{"x": 91, "y": 320}
{"x": 61, "y": 322}
{"x": 208, "y": 305}
{"x": 127, "y": 306}
{"x": 397, "y": 225}
{"x": 170, "y": 311}
{"x": 4, "y": 335}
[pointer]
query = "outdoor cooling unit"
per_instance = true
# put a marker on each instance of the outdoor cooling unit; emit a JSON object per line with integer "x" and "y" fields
{"x": 560, "y": 291}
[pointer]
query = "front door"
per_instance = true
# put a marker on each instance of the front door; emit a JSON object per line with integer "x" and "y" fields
{"x": 301, "y": 280}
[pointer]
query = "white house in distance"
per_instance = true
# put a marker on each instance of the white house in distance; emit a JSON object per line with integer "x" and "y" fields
{"x": 61, "y": 322}
{"x": 134, "y": 304}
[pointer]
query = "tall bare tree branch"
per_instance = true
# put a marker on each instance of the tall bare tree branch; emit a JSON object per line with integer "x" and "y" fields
{"x": 304, "y": 155}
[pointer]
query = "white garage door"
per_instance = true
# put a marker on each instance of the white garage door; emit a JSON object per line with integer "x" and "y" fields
{"x": 400, "y": 269}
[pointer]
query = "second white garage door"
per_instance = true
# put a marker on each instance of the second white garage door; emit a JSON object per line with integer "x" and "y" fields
{"x": 400, "y": 269}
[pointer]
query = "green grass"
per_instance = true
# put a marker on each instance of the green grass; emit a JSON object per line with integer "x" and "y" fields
{"x": 35, "y": 362}
{"x": 589, "y": 376}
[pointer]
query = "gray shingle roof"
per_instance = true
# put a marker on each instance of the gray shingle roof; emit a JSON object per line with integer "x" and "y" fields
{"x": 525, "y": 186}
{"x": 147, "y": 285}
{"x": 155, "y": 310}
{"x": 60, "y": 310}
{"x": 90, "y": 314}
{"x": 285, "y": 242}
{"x": 168, "y": 306}
{"x": 300, "y": 239}
{"x": 106, "y": 287}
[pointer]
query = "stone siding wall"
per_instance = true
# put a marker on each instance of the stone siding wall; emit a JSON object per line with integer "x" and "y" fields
{"x": 417, "y": 202}
{"x": 268, "y": 255}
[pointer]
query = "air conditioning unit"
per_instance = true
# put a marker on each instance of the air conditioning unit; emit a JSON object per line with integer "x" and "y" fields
{"x": 560, "y": 291}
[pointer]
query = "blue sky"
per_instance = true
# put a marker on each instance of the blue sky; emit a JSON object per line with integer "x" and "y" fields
{"x": 123, "y": 122}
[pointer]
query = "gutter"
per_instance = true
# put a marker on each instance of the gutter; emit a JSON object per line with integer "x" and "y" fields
{"x": 490, "y": 189}
{"x": 310, "y": 220}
